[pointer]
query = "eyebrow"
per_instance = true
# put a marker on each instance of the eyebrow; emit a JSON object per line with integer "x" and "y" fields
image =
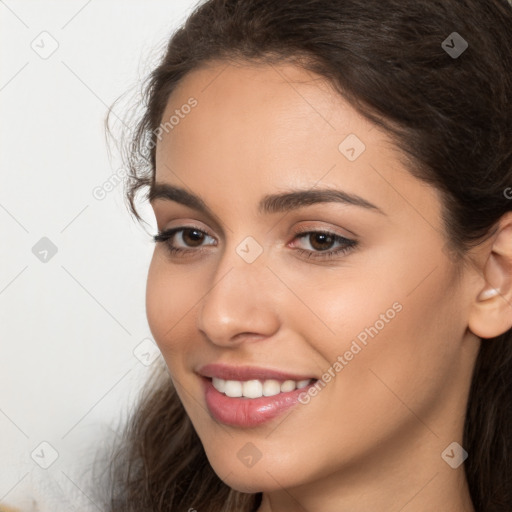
{"x": 272, "y": 203}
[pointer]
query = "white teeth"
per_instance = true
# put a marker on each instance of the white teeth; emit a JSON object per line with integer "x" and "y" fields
{"x": 287, "y": 385}
{"x": 252, "y": 389}
{"x": 219, "y": 384}
{"x": 233, "y": 388}
{"x": 271, "y": 387}
{"x": 256, "y": 388}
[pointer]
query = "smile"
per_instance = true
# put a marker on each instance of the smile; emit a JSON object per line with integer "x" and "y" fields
{"x": 248, "y": 396}
{"x": 256, "y": 388}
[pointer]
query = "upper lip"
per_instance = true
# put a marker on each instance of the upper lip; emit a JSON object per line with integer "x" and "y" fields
{"x": 244, "y": 373}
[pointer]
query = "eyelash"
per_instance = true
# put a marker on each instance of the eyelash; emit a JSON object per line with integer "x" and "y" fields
{"x": 166, "y": 238}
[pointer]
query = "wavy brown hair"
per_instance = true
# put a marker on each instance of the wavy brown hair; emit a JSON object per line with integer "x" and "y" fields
{"x": 452, "y": 119}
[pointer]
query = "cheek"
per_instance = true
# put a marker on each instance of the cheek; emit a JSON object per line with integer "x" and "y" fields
{"x": 157, "y": 300}
{"x": 168, "y": 302}
{"x": 406, "y": 373}
{"x": 348, "y": 305}
{"x": 383, "y": 332}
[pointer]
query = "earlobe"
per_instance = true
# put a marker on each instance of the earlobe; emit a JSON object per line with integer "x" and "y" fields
{"x": 491, "y": 312}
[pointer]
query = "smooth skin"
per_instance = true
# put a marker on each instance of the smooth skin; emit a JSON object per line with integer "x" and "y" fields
{"x": 372, "y": 438}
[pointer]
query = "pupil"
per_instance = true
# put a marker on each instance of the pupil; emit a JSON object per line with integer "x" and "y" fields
{"x": 196, "y": 235}
{"x": 322, "y": 237}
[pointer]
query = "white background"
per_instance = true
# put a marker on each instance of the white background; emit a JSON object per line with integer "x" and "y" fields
{"x": 69, "y": 325}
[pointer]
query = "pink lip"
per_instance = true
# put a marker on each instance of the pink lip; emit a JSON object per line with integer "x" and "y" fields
{"x": 243, "y": 373}
{"x": 247, "y": 412}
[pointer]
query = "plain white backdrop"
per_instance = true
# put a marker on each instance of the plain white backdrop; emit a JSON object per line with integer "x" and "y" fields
{"x": 75, "y": 344}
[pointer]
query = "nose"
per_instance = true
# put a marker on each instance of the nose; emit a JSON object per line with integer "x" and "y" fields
{"x": 241, "y": 303}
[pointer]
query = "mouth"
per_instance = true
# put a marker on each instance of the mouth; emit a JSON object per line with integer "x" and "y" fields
{"x": 250, "y": 396}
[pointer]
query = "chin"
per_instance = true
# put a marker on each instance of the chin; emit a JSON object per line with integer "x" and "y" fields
{"x": 264, "y": 476}
{"x": 252, "y": 484}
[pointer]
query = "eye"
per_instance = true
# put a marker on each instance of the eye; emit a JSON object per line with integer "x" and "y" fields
{"x": 192, "y": 238}
{"x": 321, "y": 243}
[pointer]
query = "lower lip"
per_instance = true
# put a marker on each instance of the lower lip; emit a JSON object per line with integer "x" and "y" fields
{"x": 248, "y": 412}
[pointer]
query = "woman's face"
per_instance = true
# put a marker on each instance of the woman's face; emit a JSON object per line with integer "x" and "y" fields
{"x": 346, "y": 292}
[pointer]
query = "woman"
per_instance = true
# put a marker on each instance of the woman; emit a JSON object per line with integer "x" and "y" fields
{"x": 331, "y": 286}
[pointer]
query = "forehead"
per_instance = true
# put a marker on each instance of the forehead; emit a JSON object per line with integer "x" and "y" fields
{"x": 264, "y": 97}
{"x": 253, "y": 112}
{"x": 261, "y": 127}
{"x": 251, "y": 83}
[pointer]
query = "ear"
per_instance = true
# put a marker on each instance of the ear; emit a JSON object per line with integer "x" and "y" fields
{"x": 491, "y": 311}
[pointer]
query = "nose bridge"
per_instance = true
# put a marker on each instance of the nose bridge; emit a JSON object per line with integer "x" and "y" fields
{"x": 240, "y": 297}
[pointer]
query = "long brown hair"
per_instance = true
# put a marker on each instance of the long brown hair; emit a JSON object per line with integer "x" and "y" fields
{"x": 451, "y": 115}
